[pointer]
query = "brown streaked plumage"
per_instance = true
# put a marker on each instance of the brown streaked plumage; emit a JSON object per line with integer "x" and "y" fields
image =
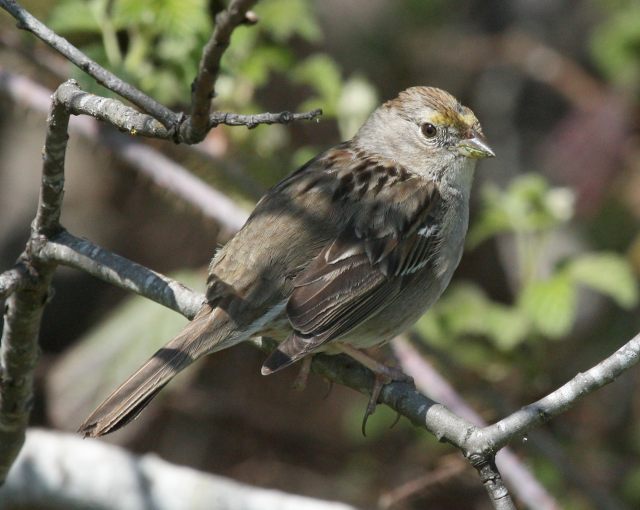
{"x": 350, "y": 249}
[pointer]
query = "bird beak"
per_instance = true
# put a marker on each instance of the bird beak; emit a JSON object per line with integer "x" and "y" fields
{"x": 475, "y": 147}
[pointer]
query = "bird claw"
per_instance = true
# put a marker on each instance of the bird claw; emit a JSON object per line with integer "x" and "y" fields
{"x": 380, "y": 381}
{"x": 329, "y": 388}
{"x": 300, "y": 382}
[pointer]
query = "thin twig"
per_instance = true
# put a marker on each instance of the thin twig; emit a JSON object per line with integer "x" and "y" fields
{"x": 254, "y": 120}
{"x": 196, "y": 126}
{"x": 162, "y": 122}
{"x": 110, "y": 110}
{"x": 493, "y": 483}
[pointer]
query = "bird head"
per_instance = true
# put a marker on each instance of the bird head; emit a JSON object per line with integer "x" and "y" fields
{"x": 428, "y": 130}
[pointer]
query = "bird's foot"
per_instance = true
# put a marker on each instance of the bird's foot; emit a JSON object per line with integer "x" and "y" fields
{"x": 300, "y": 382}
{"x": 383, "y": 375}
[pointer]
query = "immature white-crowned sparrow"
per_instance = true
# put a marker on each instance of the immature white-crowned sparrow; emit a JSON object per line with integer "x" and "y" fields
{"x": 348, "y": 251}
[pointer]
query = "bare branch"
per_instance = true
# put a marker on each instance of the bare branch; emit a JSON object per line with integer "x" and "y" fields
{"x": 106, "y": 78}
{"x": 252, "y": 121}
{"x": 543, "y": 410}
{"x": 47, "y": 219}
{"x": 12, "y": 279}
{"x": 492, "y": 481}
{"x": 196, "y": 126}
{"x": 148, "y": 161}
{"x": 18, "y": 357}
{"x": 163, "y": 121}
{"x": 72, "y": 251}
{"x": 110, "y": 110}
{"x": 523, "y": 484}
{"x": 23, "y": 313}
{"x": 127, "y": 481}
{"x": 479, "y": 444}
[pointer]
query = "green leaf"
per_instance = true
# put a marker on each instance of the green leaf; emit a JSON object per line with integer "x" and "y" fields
{"x": 506, "y": 327}
{"x": 550, "y": 304}
{"x": 608, "y": 273}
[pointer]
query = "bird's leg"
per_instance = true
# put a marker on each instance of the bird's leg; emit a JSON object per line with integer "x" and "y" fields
{"x": 300, "y": 382}
{"x": 383, "y": 375}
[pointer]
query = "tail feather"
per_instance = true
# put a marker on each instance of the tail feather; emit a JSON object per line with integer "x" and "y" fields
{"x": 132, "y": 396}
{"x": 287, "y": 353}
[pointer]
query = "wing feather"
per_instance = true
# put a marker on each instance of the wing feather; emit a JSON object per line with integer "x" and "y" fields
{"x": 390, "y": 236}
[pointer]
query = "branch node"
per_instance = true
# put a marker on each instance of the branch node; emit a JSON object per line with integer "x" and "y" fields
{"x": 250, "y": 18}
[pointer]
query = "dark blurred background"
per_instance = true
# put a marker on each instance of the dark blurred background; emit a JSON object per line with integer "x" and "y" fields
{"x": 547, "y": 286}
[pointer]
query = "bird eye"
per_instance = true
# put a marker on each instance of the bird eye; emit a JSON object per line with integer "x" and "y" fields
{"x": 428, "y": 130}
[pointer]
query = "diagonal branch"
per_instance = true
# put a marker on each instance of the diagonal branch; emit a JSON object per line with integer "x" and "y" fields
{"x": 196, "y": 126}
{"x": 69, "y": 250}
{"x": 430, "y": 382}
{"x": 161, "y": 121}
{"x": 518, "y": 423}
{"x": 106, "y": 78}
{"x": 400, "y": 396}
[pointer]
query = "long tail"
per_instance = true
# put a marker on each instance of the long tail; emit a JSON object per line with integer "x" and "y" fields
{"x": 204, "y": 334}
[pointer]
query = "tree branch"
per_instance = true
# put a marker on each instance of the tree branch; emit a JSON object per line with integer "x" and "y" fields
{"x": 100, "y": 475}
{"x": 68, "y": 250}
{"x": 12, "y": 280}
{"x": 524, "y": 485}
{"x": 162, "y": 171}
{"x": 196, "y": 126}
{"x": 23, "y": 312}
{"x": 254, "y": 120}
{"x": 106, "y": 78}
{"x": 161, "y": 122}
{"x": 499, "y": 434}
{"x": 478, "y": 444}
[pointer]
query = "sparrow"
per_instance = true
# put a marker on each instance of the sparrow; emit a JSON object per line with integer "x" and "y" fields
{"x": 343, "y": 254}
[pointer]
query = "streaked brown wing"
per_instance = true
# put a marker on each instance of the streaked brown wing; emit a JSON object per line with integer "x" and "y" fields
{"x": 331, "y": 298}
{"x": 353, "y": 278}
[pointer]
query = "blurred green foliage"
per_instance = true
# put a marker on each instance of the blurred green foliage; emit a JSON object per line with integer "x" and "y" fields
{"x": 528, "y": 211}
{"x": 156, "y": 46}
{"x": 616, "y": 43}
